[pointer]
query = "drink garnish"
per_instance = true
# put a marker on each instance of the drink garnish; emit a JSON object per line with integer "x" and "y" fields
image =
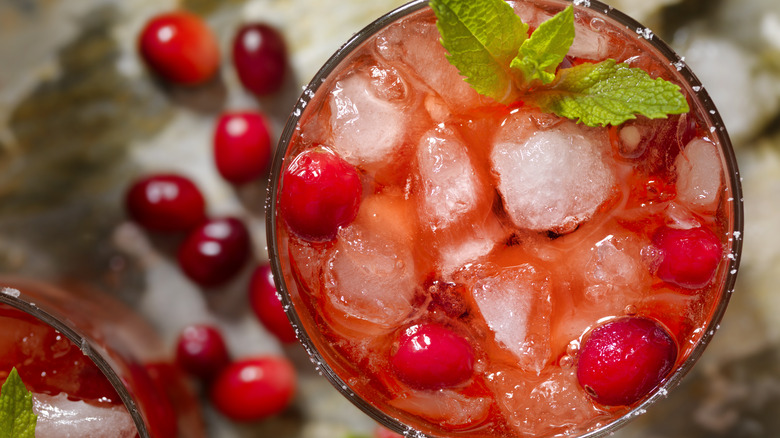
{"x": 17, "y": 419}
{"x": 490, "y": 45}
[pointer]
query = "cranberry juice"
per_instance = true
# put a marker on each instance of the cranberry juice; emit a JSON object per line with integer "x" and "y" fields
{"x": 466, "y": 268}
{"x": 70, "y": 394}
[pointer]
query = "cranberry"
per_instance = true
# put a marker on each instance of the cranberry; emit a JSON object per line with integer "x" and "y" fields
{"x": 260, "y": 58}
{"x": 689, "y": 257}
{"x": 180, "y": 47}
{"x": 320, "y": 193}
{"x": 253, "y": 389}
{"x": 242, "y": 146}
{"x": 431, "y": 356}
{"x": 215, "y": 251}
{"x": 623, "y": 360}
{"x": 267, "y": 304}
{"x": 165, "y": 202}
{"x": 201, "y": 351}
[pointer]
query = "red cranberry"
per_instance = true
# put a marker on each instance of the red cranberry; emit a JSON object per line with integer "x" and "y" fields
{"x": 260, "y": 58}
{"x": 215, "y": 251}
{"x": 166, "y": 202}
{"x": 689, "y": 257}
{"x": 201, "y": 351}
{"x": 180, "y": 47}
{"x": 242, "y": 146}
{"x": 623, "y": 360}
{"x": 267, "y": 304}
{"x": 320, "y": 193}
{"x": 431, "y": 356}
{"x": 254, "y": 389}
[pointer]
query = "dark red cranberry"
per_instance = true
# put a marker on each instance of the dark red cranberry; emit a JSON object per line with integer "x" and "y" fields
{"x": 180, "y": 48}
{"x": 260, "y": 58}
{"x": 267, "y": 304}
{"x": 623, "y": 360}
{"x": 242, "y": 146}
{"x": 689, "y": 258}
{"x": 254, "y": 389}
{"x": 320, "y": 193}
{"x": 215, "y": 252}
{"x": 201, "y": 351}
{"x": 431, "y": 356}
{"x": 165, "y": 202}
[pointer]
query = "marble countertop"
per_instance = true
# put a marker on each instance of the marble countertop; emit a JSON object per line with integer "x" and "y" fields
{"x": 80, "y": 117}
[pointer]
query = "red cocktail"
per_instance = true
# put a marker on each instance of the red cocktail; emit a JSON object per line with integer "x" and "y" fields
{"x": 94, "y": 368}
{"x": 463, "y": 267}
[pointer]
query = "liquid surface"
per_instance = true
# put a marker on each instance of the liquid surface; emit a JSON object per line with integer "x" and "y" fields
{"x": 517, "y": 230}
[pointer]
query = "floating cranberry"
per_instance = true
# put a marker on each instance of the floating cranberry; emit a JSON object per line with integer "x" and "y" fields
{"x": 201, "y": 351}
{"x": 242, "y": 146}
{"x": 215, "y": 251}
{"x": 260, "y": 58}
{"x": 254, "y": 389}
{"x": 431, "y": 356}
{"x": 623, "y": 360}
{"x": 689, "y": 258}
{"x": 320, "y": 193}
{"x": 267, "y": 304}
{"x": 180, "y": 48}
{"x": 165, "y": 202}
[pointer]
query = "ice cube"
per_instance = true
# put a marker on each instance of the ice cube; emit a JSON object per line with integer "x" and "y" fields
{"x": 59, "y": 417}
{"x": 551, "y": 179}
{"x": 415, "y": 44}
{"x": 699, "y": 176}
{"x": 458, "y": 249}
{"x": 549, "y": 405}
{"x": 516, "y": 304}
{"x": 370, "y": 278}
{"x": 368, "y": 117}
{"x": 446, "y": 407}
{"x": 448, "y": 182}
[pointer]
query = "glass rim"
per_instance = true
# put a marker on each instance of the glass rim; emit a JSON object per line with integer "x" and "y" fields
{"x": 15, "y": 297}
{"x": 601, "y": 9}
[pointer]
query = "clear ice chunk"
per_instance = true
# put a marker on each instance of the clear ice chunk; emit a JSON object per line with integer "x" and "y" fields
{"x": 699, "y": 176}
{"x": 59, "y": 417}
{"x": 450, "y": 186}
{"x": 516, "y": 304}
{"x": 415, "y": 44}
{"x": 368, "y": 121}
{"x": 370, "y": 277}
{"x": 445, "y": 406}
{"x": 551, "y": 179}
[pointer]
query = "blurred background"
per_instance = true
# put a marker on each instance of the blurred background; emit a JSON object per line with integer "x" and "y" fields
{"x": 80, "y": 117}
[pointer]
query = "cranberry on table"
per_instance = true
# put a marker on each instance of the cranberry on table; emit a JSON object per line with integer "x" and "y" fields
{"x": 179, "y": 47}
{"x": 623, "y": 360}
{"x": 216, "y": 251}
{"x": 267, "y": 304}
{"x": 254, "y": 388}
{"x": 689, "y": 258}
{"x": 431, "y": 356}
{"x": 165, "y": 202}
{"x": 320, "y": 193}
{"x": 260, "y": 58}
{"x": 201, "y": 351}
{"x": 242, "y": 146}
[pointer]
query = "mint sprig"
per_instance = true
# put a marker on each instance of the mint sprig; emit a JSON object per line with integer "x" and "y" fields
{"x": 490, "y": 46}
{"x": 17, "y": 419}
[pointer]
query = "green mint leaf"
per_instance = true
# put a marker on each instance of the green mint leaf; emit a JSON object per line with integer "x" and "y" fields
{"x": 17, "y": 419}
{"x": 541, "y": 54}
{"x": 608, "y": 93}
{"x": 482, "y": 37}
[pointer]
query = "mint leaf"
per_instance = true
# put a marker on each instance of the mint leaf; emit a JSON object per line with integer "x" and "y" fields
{"x": 541, "y": 54}
{"x": 17, "y": 419}
{"x": 482, "y": 37}
{"x": 608, "y": 93}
